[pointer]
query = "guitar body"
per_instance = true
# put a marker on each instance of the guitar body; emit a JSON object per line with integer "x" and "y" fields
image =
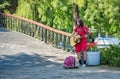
{"x": 74, "y": 41}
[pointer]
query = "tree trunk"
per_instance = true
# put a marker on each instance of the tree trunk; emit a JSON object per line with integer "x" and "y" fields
{"x": 75, "y": 13}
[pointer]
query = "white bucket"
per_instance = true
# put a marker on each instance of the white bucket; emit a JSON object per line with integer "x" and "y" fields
{"x": 93, "y": 58}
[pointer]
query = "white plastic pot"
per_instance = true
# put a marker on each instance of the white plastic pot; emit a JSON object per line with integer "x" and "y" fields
{"x": 93, "y": 58}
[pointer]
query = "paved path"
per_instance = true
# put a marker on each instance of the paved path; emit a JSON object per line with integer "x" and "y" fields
{"x": 24, "y": 57}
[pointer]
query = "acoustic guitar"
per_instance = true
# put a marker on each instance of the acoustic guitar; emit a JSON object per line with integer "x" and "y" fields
{"x": 74, "y": 41}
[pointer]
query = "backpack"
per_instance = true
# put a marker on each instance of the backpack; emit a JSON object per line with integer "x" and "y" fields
{"x": 69, "y": 62}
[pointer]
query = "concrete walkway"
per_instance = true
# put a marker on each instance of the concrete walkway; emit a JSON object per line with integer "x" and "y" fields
{"x": 24, "y": 57}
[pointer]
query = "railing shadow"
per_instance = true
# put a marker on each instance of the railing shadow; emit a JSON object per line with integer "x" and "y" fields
{"x": 25, "y": 66}
{"x": 24, "y": 60}
{"x": 3, "y": 30}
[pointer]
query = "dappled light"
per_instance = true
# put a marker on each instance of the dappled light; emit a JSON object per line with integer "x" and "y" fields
{"x": 35, "y": 39}
{"x": 24, "y": 60}
{"x": 33, "y": 59}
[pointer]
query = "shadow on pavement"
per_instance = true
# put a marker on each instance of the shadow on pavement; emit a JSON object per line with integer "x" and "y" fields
{"x": 24, "y": 60}
{"x": 3, "y": 30}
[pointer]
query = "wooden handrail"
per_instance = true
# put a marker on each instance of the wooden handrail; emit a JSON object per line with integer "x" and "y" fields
{"x": 38, "y": 30}
{"x": 39, "y": 24}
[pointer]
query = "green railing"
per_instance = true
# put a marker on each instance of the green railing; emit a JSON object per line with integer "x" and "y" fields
{"x": 40, "y": 31}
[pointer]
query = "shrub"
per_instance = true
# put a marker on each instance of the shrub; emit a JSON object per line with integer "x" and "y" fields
{"x": 111, "y": 56}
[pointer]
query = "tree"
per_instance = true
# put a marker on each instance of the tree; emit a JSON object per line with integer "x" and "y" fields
{"x": 3, "y": 4}
{"x": 8, "y": 6}
{"x": 75, "y": 13}
{"x": 102, "y": 14}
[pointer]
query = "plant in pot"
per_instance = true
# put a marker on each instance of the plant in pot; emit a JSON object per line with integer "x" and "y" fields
{"x": 93, "y": 54}
{"x": 91, "y": 46}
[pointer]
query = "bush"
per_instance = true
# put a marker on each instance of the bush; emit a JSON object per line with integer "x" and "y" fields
{"x": 111, "y": 56}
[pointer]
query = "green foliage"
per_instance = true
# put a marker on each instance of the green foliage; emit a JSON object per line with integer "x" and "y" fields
{"x": 3, "y": 4}
{"x": 111, "y": 56}
{"x": 8, "y": 6}
{"x": 102, "y": 14}
{"x": 25, "y": 11}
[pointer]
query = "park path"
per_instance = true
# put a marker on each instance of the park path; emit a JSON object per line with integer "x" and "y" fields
{"x": 24, "y": 57}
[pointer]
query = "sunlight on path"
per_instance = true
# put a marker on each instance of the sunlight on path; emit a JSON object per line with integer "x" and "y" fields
{"x": 24, "y": 57}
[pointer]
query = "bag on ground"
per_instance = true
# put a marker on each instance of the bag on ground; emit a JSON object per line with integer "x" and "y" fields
{"x": 69, "y": 62}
